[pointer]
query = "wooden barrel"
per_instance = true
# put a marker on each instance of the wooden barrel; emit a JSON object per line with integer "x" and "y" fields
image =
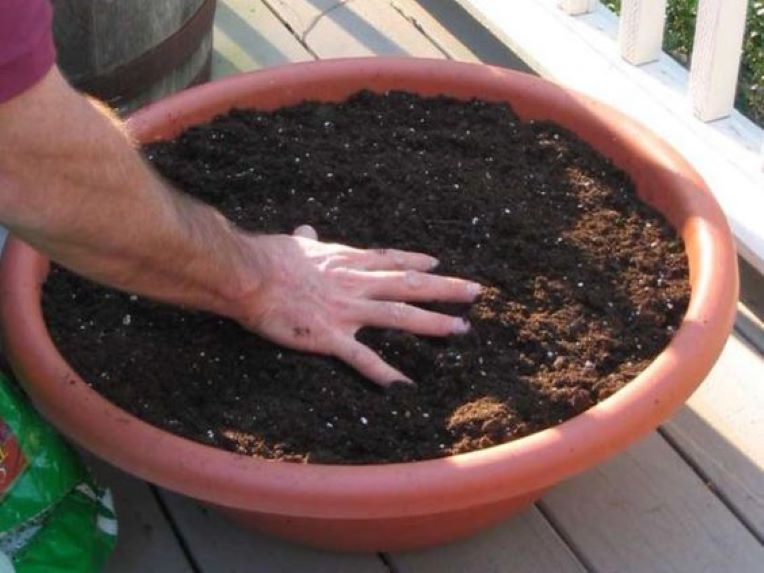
{"x": 131, "y": 52}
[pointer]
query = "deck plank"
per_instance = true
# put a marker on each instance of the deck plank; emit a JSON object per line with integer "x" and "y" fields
{"x": 218, "y": 545}
{"x": 249, "y": 37}
{"x": 333, "y": 29}
{"x": 524, "y": 544}
{"x": 146, "y": 542}
{"x": 722, "y": 430}
{"x": 646, "y": 510}
{"x": 451, "y": 46}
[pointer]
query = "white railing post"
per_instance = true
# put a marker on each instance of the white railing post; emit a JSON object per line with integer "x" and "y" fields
{"x": 640, "y": 32}
{"x": 575, "y": 7}
{"x": 716, "y": 57}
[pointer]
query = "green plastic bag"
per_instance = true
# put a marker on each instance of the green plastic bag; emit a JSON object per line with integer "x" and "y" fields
{"x": 53, "y": 518}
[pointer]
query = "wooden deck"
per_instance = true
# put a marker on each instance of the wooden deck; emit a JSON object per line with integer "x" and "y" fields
{"x": 689, "y": 498}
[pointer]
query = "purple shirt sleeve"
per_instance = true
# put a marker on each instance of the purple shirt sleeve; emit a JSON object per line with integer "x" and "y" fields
{"x": 26, "y": 45}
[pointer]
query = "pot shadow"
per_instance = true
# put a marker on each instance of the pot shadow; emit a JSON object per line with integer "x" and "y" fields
{"x": 248, "y": 38}
{"x": 343, "y": 16}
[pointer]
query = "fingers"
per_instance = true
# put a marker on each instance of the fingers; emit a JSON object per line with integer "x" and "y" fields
{"x": 367, "y": 362}
{"x": 392, "y": 259}
{"x": 306, "y": 231}
{"x": 412, "y": 286}
{"x": 383, "y": 314}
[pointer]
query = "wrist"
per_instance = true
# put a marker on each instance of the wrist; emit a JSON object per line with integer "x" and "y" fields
{"x": 241, "y": 294}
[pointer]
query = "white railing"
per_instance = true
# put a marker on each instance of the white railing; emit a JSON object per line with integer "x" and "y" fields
{"x": 640, "y": 34}
{"x": 716, "y": 53}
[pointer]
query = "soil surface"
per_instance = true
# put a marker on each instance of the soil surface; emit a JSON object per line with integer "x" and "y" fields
{"x": 585, "y": 284}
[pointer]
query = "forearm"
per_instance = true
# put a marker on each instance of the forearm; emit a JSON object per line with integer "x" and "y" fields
{"x": 72, "y": 185}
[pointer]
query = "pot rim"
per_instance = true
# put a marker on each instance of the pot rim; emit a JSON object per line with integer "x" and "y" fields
{"x": 486, "y": 476}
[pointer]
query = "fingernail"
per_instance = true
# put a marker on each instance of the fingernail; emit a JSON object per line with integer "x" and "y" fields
{"x": 460, "y": 326}
{"x": 474, "y": 289}
{"x": 407, "y": 382}
{"x": 434, "y": 262}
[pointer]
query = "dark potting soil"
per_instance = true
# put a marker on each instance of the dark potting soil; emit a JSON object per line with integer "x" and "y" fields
{"x": 585, "y": 284}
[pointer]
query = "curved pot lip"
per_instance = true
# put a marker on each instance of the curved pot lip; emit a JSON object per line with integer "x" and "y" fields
{"x": 371, "y": 491}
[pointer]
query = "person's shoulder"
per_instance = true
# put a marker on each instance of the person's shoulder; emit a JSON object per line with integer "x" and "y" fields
{"x": 26, "y": 45}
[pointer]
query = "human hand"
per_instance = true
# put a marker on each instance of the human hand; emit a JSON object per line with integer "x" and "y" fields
{"x": 314, "y": 296}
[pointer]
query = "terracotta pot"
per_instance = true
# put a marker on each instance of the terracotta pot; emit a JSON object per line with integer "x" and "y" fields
{"x": 397, "y": 506}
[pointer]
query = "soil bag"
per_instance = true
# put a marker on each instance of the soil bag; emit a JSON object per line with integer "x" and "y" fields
{"x": 53, "y": 517}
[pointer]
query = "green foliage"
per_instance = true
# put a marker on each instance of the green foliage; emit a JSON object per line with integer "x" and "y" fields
{"x": 679, "y": 35}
